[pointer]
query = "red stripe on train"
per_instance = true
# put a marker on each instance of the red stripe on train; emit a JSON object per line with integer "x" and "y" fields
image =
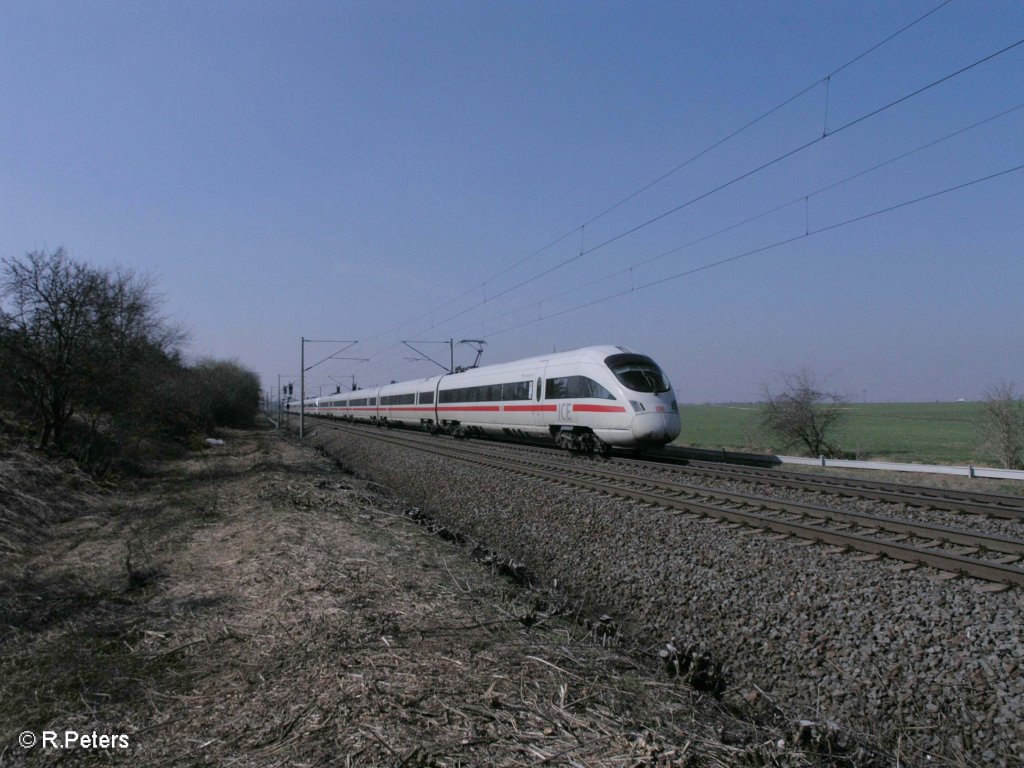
{"x": 468, "y": 408}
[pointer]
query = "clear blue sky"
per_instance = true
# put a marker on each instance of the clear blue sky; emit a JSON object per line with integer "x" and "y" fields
{"x": 343, "y": 170}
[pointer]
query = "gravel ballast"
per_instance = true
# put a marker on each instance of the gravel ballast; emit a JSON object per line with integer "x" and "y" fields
{"x": 934, "y": 668}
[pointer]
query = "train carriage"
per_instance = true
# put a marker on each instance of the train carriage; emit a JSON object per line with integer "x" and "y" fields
{"x": 408, "y": 404}
{"x": 586, "y": 399}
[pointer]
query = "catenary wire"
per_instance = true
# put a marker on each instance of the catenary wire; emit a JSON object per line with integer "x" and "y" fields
{"x": 785, "y": 102}
{"x": 767, "y": 212}
{"x": 759, "y": 250}
{"x": 762, "y": 249}
{"x": 731, "y": 182}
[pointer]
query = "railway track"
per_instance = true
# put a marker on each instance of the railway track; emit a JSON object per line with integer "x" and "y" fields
{"x": 992, "y": 505}
{"x": 989, "y": 557}
{"x": 998, "y": 506}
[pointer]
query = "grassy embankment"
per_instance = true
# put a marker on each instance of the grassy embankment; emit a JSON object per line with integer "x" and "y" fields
{"x": 929, "y": 433}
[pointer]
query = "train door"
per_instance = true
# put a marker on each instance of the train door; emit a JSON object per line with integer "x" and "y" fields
{"x": 540, "y": 416}
{"x": 558, "y": 404}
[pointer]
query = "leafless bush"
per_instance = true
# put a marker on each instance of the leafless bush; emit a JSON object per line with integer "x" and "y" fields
{"x": 1000, "y": 425}
{"x": 803, "y": 414}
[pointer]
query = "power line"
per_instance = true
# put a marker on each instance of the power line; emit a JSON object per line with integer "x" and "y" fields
{"x": 731, "y": 182}
{"x": 785, "y": 102}
{"x": 765, "y": 115}
{"x": 764, "y": 248}
{"x": 774, "y": 209}
{"x": 790, "y": 153}
{"x": 894, "y": 35}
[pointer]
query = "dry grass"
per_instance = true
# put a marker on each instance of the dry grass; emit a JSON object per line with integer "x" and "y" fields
{"x": 33, "y": 494}
{"x": 255, "y": 605}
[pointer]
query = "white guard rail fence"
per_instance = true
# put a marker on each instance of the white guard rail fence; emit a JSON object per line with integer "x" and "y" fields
{"x": 970, "y": 471}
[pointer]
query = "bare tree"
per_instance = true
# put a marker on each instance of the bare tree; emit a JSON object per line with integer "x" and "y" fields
{"x": 43, "y": 325}
{"x": 1000, "y": 424}
{"x": 132, "y": 342}
{"x": 75, "y": 337}
{"x": 803, "y": 414}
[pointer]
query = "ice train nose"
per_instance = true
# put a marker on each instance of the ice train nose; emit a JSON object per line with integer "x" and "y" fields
{"x": 653, "y": 427}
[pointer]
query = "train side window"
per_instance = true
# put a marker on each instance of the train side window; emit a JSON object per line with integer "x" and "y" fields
{"x": 587, "y": 387}
{"x": 556, "y": 389}
{"x": 569, "y": 387}
{"x": 516, "y": 390}
{"x": 538, "y": 390}
{"x": 449, "y": 396}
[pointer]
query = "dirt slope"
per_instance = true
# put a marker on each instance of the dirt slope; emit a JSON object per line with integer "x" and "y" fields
{"x": 256, "y": 605}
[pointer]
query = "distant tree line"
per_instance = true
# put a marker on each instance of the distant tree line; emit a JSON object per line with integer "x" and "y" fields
{"x": 89, "y": 362}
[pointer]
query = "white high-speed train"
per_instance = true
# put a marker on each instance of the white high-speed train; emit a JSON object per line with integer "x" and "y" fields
{"x": 586, "y": 399}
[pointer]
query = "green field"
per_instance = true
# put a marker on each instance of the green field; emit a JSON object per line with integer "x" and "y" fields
{"x": 929, "y": 433}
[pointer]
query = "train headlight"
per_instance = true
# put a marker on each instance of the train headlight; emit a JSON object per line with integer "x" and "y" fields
{"x": 637, "y": 405}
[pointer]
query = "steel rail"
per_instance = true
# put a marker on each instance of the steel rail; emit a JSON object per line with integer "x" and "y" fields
{"x": 940, "y": 533}
{"x": 1005, "y": 507}
{"x": 993, "y": 542}
{"x": 972, "y": 502}
{"x": 986, "y": 570}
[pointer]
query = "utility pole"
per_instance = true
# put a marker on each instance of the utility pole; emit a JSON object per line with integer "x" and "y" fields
{"x": 302, "y": 390}
{"x": 280, "y": 403}
{"x": 302, "y": 384}
{"x": 281, "y": 390}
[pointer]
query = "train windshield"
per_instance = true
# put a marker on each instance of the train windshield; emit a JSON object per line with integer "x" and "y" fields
{"x": 638, "y": 373}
